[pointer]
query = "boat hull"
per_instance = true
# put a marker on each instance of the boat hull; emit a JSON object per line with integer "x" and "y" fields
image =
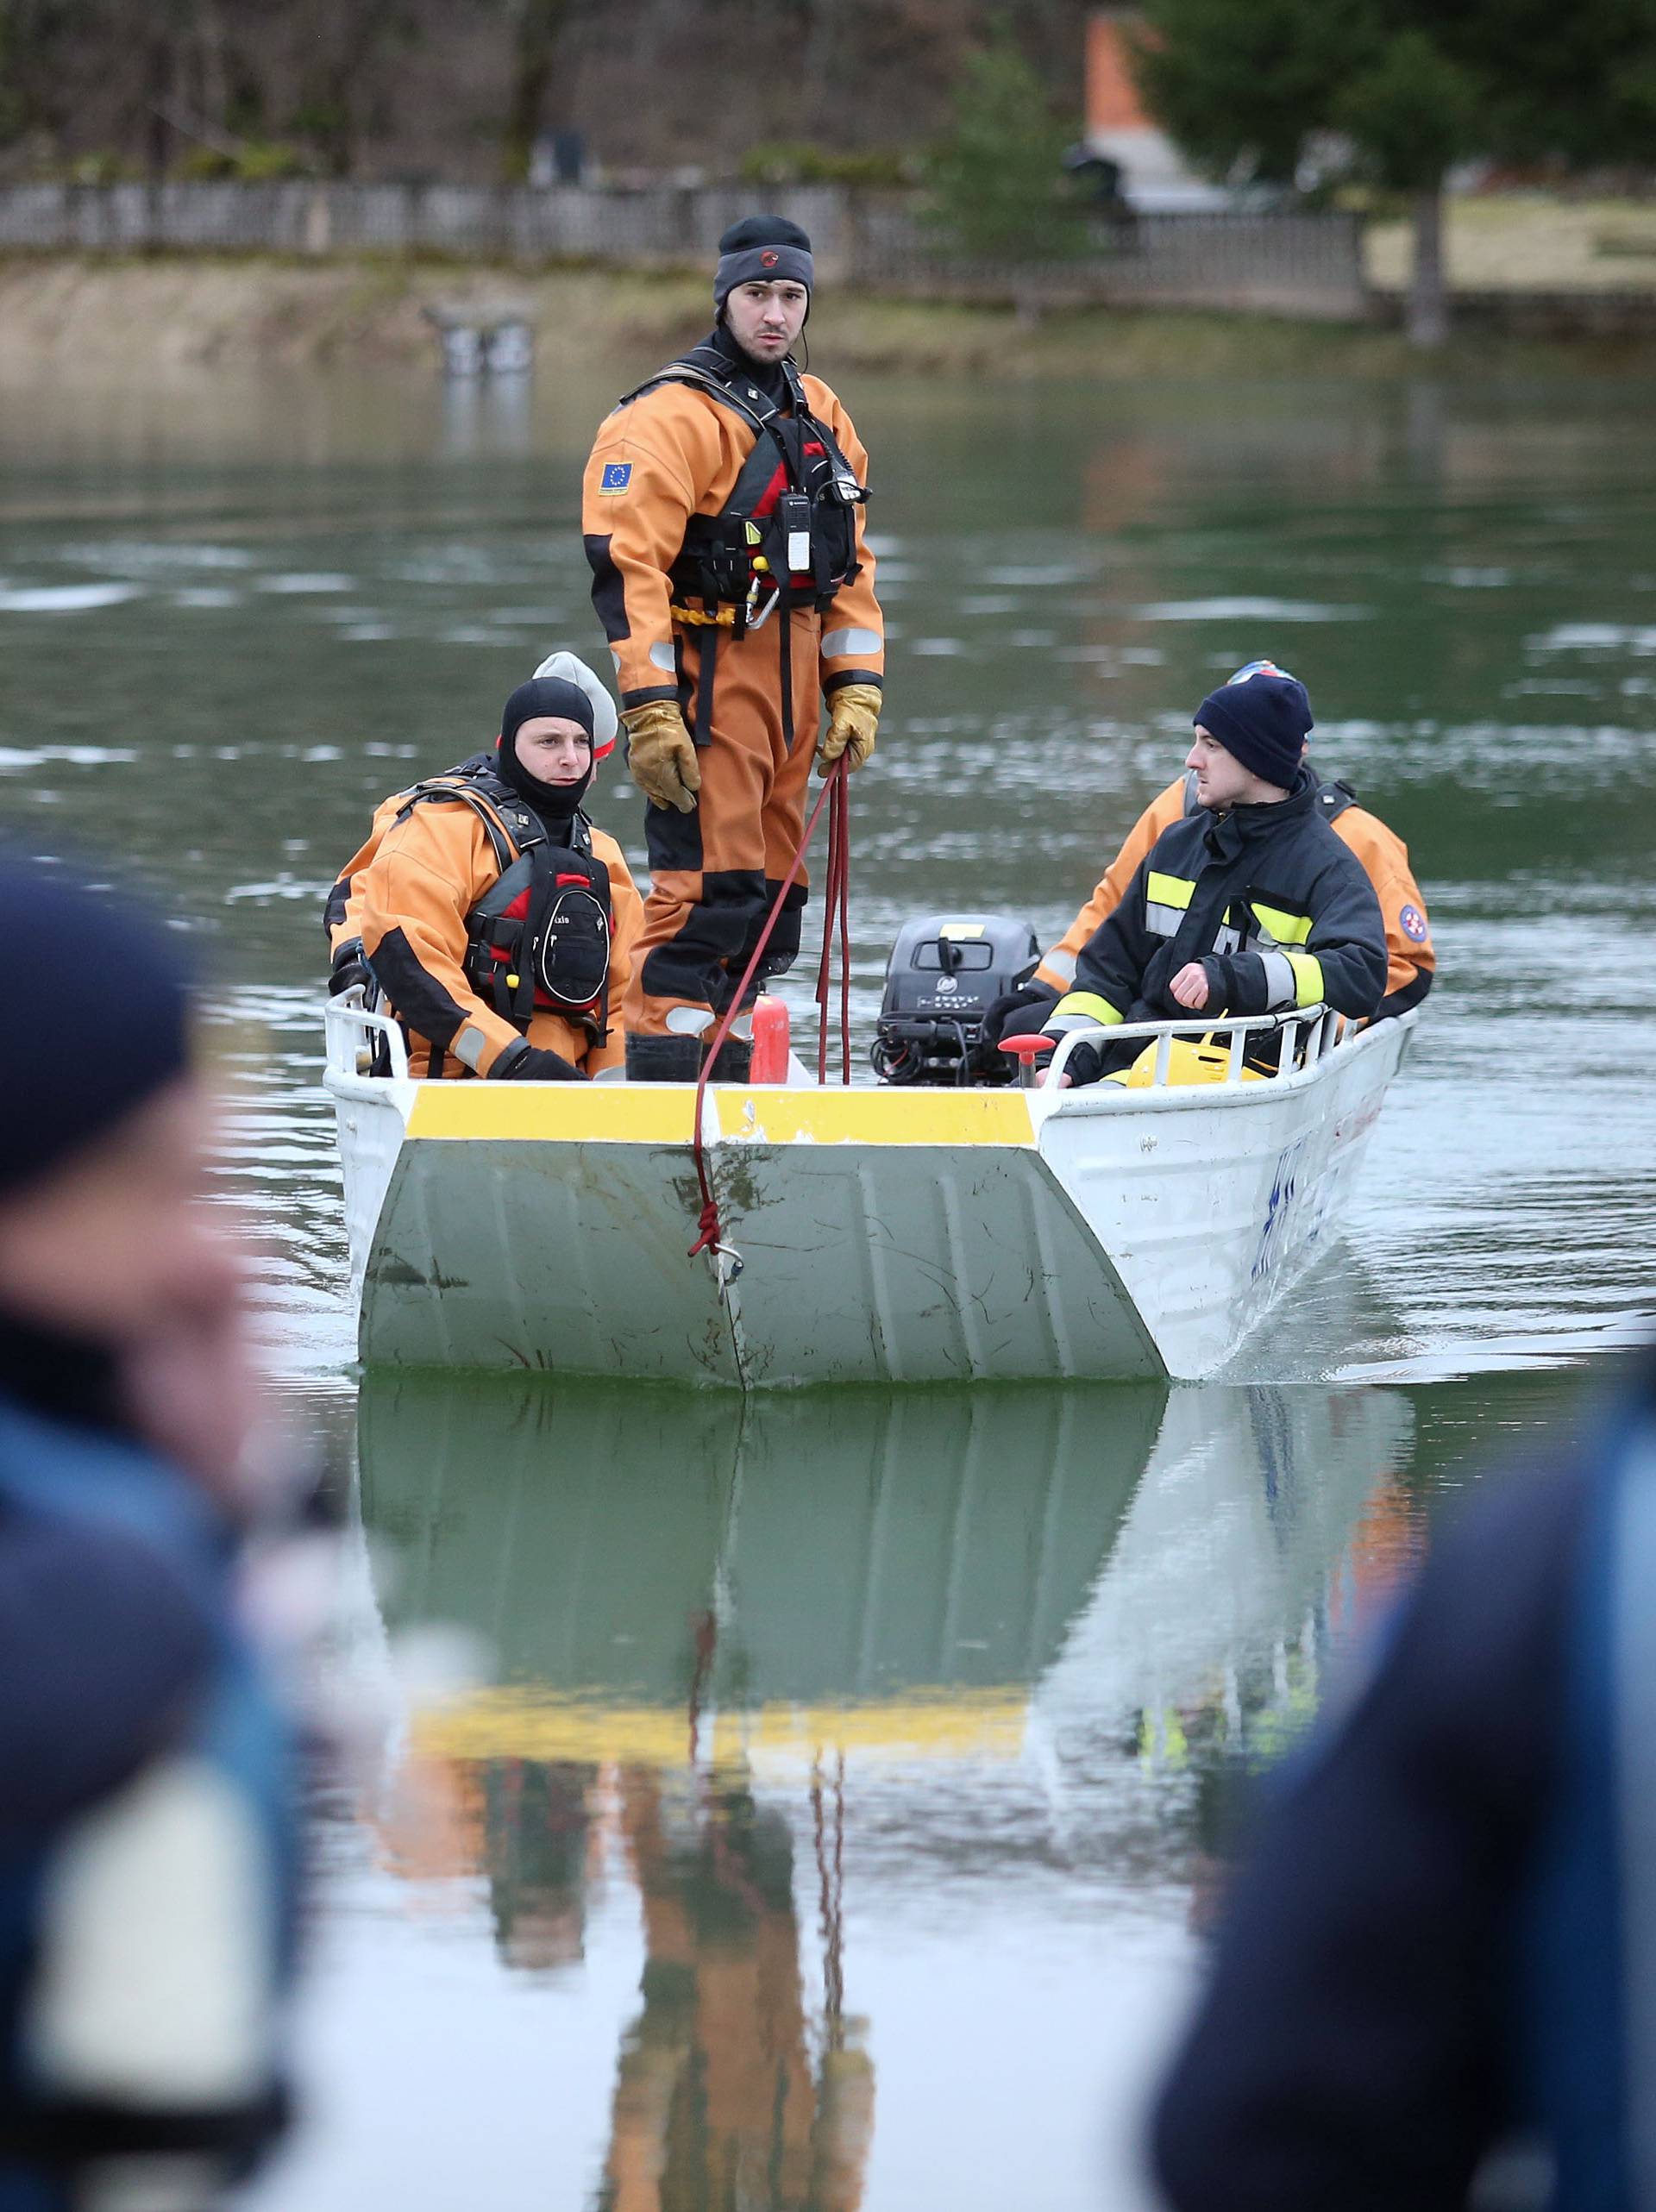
{"x": 883, "y": 1236}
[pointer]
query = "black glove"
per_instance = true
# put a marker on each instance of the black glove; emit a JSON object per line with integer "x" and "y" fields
{"x": 350, "y": 968}
{"x": 1085, "y": 1065}
{"x": 532, "y": 1064}
{"x": 1001, "y": 1015}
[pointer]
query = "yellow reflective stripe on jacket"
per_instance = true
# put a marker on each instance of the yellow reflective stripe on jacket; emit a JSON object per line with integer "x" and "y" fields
{"x": 1082, "y": 1009}
{"x": 1169, "y": 890}
{"x": 1167, "y": 901}
{"x": 1307, "y": 977}
{"x": 1282, "y": 927}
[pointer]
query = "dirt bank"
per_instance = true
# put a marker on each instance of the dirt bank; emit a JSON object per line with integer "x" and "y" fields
{"x": 100, "y": 316}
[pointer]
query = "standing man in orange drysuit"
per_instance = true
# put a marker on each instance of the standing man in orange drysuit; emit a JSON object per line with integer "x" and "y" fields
{"x": 723, "y": 515}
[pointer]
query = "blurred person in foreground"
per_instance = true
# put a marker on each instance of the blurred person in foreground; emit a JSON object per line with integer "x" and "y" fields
{"x": 1435, "y": 1983}
{"x": 148, "y": 1829}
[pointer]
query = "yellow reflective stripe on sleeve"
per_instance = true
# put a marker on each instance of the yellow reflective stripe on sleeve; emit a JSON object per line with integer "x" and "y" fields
{"x": 1168, "y": 890}
{"x": 1307, "y": 977}
{"x": 1284, "y": 927}
{"x": 1082, "y": 1008}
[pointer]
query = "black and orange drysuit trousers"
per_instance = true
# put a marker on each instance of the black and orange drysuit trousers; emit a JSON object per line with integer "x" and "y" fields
{"x": 715, "y": 873}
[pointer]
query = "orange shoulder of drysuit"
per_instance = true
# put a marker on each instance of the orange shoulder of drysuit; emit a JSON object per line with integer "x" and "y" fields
{"x": 416, "y": 893}
{"x": 1411, "y": 960}
{"x": 671, "y": 453}
{"x": 341, "y": 917}
{"x": 1058, "y": 968}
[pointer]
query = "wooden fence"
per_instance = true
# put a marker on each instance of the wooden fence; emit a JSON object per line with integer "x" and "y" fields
{"x": 1286, "y": 262}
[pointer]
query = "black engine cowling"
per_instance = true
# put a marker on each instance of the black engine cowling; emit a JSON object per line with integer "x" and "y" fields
{"x": 943, "y": 972}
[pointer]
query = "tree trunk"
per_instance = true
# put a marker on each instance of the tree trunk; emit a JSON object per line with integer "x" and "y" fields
{"x": 1429, "y": 308}
{"x": 535, "y": 42}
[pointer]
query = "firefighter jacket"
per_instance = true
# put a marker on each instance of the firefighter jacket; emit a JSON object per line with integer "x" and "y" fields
{"x": 1268, "y": 896}
{"x": 1411, "y": 962}
{"x": 414, "y": 900}
{"x": 677, "y": 452}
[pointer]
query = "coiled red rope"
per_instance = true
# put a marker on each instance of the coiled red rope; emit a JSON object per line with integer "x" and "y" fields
{"x": 710, "y": 1235}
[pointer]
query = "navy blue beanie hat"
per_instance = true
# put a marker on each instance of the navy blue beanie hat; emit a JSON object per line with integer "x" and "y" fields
{"x": 1262, "y": 715}
{"x": 762, "y": 249}
{"x": 70, "y": 1088}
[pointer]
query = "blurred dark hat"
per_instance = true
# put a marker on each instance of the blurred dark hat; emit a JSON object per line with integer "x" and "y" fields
{"x": 98, "y": 1021}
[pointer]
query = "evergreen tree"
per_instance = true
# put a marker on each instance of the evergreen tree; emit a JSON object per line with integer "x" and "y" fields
{"x": 1415, "y": 85}
{"x": 998, "y": 176}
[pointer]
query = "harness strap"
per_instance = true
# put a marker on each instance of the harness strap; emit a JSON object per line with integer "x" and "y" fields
{"x": 685, "y": 371}
{"x": 704, "y": 730}
{"x": 508, "y": 843}
{"x": 786, "y": 625}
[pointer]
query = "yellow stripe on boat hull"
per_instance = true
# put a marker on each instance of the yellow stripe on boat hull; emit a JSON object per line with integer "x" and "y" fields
{"x": 649, "y": 1114}
{"x": 521, "y": 1724}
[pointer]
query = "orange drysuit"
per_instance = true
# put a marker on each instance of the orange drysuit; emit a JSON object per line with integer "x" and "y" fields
{"x": 1411, "y": 962}
{"x": 413, "y": 901}
{"x": 341, "y": 917}
{"x": 723, "y": 2095}
{"x": 674, "y": 452}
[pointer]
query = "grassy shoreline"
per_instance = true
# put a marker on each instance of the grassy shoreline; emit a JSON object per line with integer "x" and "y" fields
{"x": 102, "y": 314}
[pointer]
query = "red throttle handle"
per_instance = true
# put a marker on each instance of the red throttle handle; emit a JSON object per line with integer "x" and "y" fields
{"x": 1026, "y": 1050}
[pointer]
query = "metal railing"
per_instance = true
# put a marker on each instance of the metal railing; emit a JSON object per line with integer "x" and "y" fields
{"x": 357, "y": 1038}
{"x": 1309, "y": 1034}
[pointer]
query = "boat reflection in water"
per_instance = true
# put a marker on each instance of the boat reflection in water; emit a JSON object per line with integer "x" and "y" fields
{"x": 767, "y": 1663}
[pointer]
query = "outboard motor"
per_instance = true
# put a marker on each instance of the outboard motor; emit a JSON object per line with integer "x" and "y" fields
{"x": 943, "y": 974}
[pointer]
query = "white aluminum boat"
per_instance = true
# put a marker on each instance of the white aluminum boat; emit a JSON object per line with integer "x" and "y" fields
{"x": 872, "y": 1235}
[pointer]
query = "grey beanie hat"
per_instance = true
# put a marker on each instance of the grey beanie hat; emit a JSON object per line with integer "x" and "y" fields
{"x": 762, "y": 249}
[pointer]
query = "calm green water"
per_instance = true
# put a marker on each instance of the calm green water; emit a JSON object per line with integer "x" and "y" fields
{"x": 839, "y": 1781}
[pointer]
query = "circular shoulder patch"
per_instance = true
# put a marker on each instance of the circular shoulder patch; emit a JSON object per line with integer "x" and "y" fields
{"x": 1413, "y": 924}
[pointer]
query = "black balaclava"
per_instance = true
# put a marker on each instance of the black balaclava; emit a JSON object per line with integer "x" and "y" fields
{"x": 64, "y": 1096}
{"x": 765, "y": 248}
{"x": 542, "y": 695}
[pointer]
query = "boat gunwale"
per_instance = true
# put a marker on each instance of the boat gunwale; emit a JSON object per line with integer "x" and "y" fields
{"x": 1092, "y": 1102}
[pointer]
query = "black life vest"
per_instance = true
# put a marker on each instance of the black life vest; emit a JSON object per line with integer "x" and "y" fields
{"x": 788, "y": 528}
{"x": 539, "y": 939}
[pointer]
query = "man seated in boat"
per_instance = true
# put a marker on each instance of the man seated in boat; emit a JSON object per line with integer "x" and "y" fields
{"x": 341, "y": 915}
{"x": 494, "y": 919}
{"x": 1251, "y": 905}
{"x": 1411, "y": 961}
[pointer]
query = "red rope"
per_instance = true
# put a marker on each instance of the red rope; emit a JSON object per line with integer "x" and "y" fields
{"x": 709, "y": 1229}
{"x": 836, "y": 915}
{"x": 844, "y": 802}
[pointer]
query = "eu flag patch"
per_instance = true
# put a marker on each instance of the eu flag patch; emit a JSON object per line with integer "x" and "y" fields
{"x": 617, "y": 475}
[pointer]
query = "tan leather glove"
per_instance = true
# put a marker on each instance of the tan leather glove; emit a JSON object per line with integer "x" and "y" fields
{"x": 853, "y": 717}
{"x": 661, "y": 754}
